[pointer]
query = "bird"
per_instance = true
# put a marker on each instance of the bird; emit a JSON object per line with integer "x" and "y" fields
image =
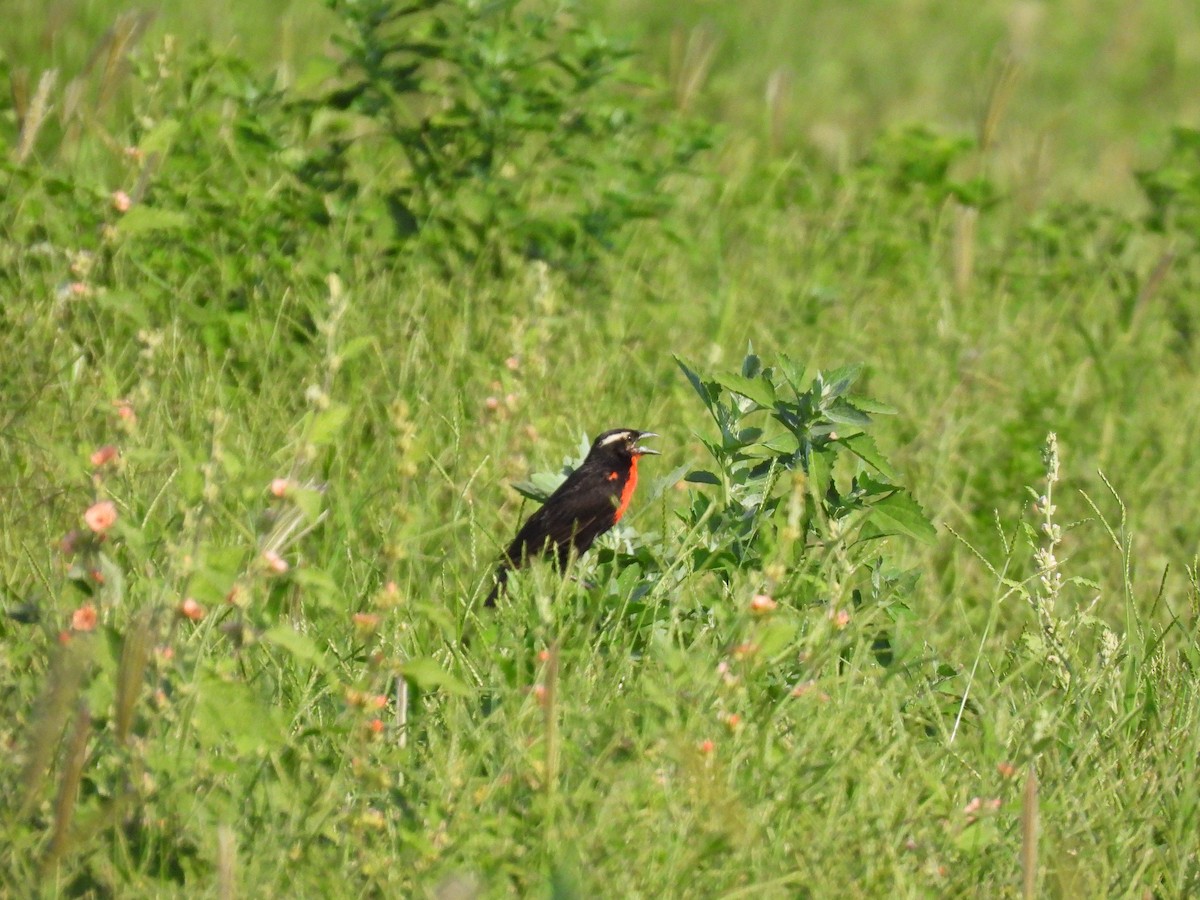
{"x": 589, "y": 503}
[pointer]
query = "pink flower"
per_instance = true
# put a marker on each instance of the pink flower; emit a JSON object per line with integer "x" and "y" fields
{"x": 101, "y": 516}
{"x": 190, "y": 609}
{"x": 121, "y": 201}
{"x": 492, "y": 404}
{"x": 275, "y": 562}
{"x": 279, "y": 487}
{"x": 84, "y": 618}
{"x": 125, "y": 411}
{"x": 840, "y": 617}
{"x": 512, "y": 363}
{"x": 365, "y": 622}
{"x": 104, "y": 455}
{"x": 375, "y": 725}
{"x": 706, "y": 747}
{"x": 761, "y": 603}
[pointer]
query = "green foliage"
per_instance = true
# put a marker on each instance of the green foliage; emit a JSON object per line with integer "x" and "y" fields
{"x": 514, "y": 130}
{"x": 1172, "y": 188}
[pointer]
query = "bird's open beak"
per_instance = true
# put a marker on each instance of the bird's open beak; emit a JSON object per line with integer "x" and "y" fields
{"x": 646, "y": 451}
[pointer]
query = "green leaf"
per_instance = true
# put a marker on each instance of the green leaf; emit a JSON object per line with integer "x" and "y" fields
{"x": 327, "y": 424}
{"x": 230, "y": 711}
{"x": 870, "y": 405}
{"x": 751, "y": 365}
{"x": 759, "y": 390}
{"x": 843, "y": 413}
{"x": 540, "y": 485}
{"x": 309, "y": 501}
{"x": 775, "y": 637}
{"x": 839, "y": 380}
{"x": 701, "y": 476}
{"x": 355, "y": 347}
{"x": 426, "y": 674}
{"x": 898, "y": 513}
{"x": 697, "y": 385}
{"x": 863, "y": 446}
{"x": 299, "y": 646}
{"x": 158, "y": 139}
{"x": 141, "y": 219}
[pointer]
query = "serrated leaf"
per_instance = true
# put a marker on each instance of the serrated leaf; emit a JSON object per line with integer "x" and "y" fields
{"x": 697, "y": 385}
{"x": 898, "y": 513}
{"x": 700, "y": 476}
{"x": 759, "y": 390}
{"x": 863, "y": 446}
{"x": 839, "y": 380}
{"x": 843, "y": 413}
{"x": 785, "y": 444}
{"x": 870, "y": 405}
{"x": 426, "y": 674}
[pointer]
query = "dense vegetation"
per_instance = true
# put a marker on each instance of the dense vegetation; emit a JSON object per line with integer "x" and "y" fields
{"x": 909, "y": 605}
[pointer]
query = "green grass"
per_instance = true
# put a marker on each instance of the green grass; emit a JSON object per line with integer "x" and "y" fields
{"x": 327, "y": 731}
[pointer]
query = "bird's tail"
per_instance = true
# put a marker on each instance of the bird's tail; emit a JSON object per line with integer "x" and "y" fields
{"x": 498, "y": 588}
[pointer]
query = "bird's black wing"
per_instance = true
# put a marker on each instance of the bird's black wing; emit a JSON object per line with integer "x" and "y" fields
{"x": 574, "y": 515}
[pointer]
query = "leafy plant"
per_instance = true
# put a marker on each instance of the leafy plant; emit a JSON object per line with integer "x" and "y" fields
{"x": 795, "y": 460}
{"x": 509, "y": 128}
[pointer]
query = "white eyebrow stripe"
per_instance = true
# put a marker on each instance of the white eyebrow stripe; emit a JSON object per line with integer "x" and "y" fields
{"x": 614, "y": 438}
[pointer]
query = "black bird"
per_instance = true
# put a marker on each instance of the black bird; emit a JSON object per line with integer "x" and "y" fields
{"x": 589, "y": 503}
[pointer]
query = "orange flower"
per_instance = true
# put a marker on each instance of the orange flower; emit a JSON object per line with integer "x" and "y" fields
{"x": 190, "y": 609}
{"x": 707, "y": 747}
{"x": 84, "y": 618}
{"x": 365, "y": 622}
{"x": 125, "y": 412}
{"x": 376, "y": 726}
{"x": 279, "y": 487}
{"x": 761, "y": 603}
{"x": 101, "y": 516}
{"x": 104, "y": 455}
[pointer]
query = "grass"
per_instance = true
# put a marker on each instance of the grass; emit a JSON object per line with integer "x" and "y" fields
{"x": 326, "y": 730}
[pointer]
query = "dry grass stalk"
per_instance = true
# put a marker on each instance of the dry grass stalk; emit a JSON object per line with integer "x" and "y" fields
{"x": 64, "y": 681}
{"x": 135, "y": 652}
{"x": 35, "y": 114}
{"x": 1029, "y": 835}
{"x": 68, "y": 788}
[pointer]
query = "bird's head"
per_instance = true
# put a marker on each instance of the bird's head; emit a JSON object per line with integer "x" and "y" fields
{"x": 623, "y": 442}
